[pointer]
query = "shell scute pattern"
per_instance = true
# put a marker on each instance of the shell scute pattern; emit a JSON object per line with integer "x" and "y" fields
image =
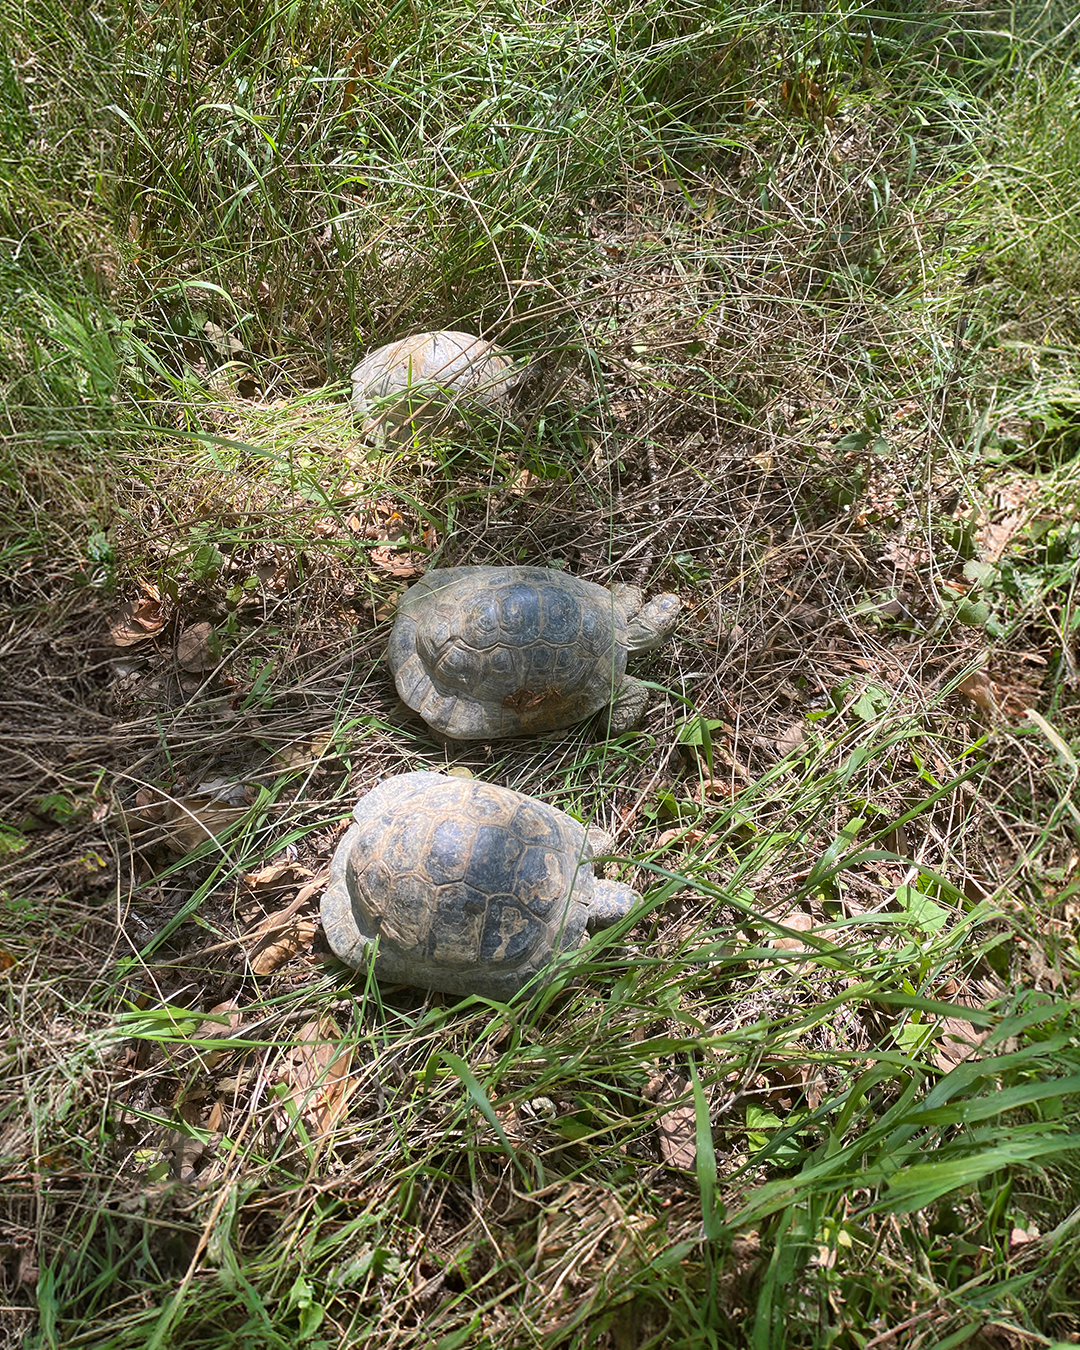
{"x": 480, "y": 628}
{"x": 592, "y": 633}
{"x": 401, "y": 914}
{"x": 508, "y": 935}
{"x": 403, "y": 841}
{"x": 412, "y": 682}
{"x": 449, "y": 851}
{"x": 564, "y": 619}
{"x": 495, "y": 851}
{"x": 506, "y": 651}
{"x": 501, "y": 662}
{"x": 541, "y": 663}
{"x": 456, "y": 939}
{"x": 375, "y": 880}
{"x": 532, "y": 822}
{"x": 540, "y": 880}
{"x": 427, "y": 858}
{"x": 462, "y": 886}
{"x": 521, "y": 616}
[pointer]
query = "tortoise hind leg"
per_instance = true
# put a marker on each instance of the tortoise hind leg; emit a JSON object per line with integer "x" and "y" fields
{"x": 610, "y": 902}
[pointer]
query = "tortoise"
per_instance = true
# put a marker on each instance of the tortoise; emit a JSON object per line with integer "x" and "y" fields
{"x": 457, "y": 885}
{"x": 486, "y": 652}
{"x": 425, "y": 380}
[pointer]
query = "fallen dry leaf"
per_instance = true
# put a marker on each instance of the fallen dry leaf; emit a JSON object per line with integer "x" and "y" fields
{"x": 1016, "y": 697}
{"x": 315, "y": 885}
{"x": 801, "y": 923}
{"x": 691, "y": 838}
{"x": 137, "y": 621}
{"x": 316, "y": 1071}
{"x": 510, "y": 1120}
{"x": 288, "y": 941}
{"x": 187, "y": 1149}
{"x": 227, "y": 345}
{"x": 212, "y": 1029}
{"x": 277, "y": 878}
{"x": 222, "y": 1017}
{"x": 783, "y": 1081}
{"x": 678, "y": 1137}
{"x": 395, "y": 562}
{"x": 956, "y": 1041}
{"x": 995, "y": 536}
{"x": 388, "y": 608}
{"x": 677, "y": 1126}
{"x": 282, "y": 935}
{"x": 525, "y": 482}
{"x": 301, "y": 754}
{"x": 791, "y": 738}
{"x": 188, "y": 821}
{"x": 26, "y": 1272}
{"x": 195, "y": 648}
{"x": 193, "y": 820}
{"x": 978, "y": 687}
{"x": 150, "y": 805}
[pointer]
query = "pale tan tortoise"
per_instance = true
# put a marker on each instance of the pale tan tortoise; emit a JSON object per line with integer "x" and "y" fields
{"x": 457, "y": 885}
{"x": 430, "y": 380}
{"x": 487, "y": 652}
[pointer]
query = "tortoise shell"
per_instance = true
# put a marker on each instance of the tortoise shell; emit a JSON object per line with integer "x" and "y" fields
{"x": 464, "y": 886}
{"x": 506, "y": 651}
{"x": 419, "y": 381}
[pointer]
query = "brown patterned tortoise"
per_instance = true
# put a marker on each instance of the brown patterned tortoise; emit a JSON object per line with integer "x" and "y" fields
{"x": 458, "y": 885}
{"x": 487, "y": 652}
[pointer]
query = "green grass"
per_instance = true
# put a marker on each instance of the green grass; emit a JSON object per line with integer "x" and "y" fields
{"x": 797, "y": 286}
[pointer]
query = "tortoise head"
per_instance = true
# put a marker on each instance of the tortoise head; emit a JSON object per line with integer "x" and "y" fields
{"x": 654, "y": 623}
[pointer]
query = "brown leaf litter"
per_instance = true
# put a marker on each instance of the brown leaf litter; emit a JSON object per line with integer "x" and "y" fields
{"x": 219, "y": 1021}
{"x": 285, "y": 933}
{"x": 197, "y": 649}
{"x": 955, "y": 1041}
{"x": 188, "y": 821}
{"x": 315, "y": 1072}
{"x": 137, "y": 621}
{"x": 676, "y": 1127}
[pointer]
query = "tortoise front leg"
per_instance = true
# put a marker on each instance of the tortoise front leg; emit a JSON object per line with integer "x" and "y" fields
{"x": 628, "y": 706}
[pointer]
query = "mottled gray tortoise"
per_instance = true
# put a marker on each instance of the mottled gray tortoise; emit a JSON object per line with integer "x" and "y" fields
{"x": 484, "y": 652}
{"x": 463, "y": 886}
{"x": 430, "y": 379}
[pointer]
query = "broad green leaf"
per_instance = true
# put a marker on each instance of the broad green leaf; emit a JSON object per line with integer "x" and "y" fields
{"x": 974, "y": 613}
{"x": 923, "y": 912}
{"x": 854, "y": 440}
{"x": 871, "y": 703}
